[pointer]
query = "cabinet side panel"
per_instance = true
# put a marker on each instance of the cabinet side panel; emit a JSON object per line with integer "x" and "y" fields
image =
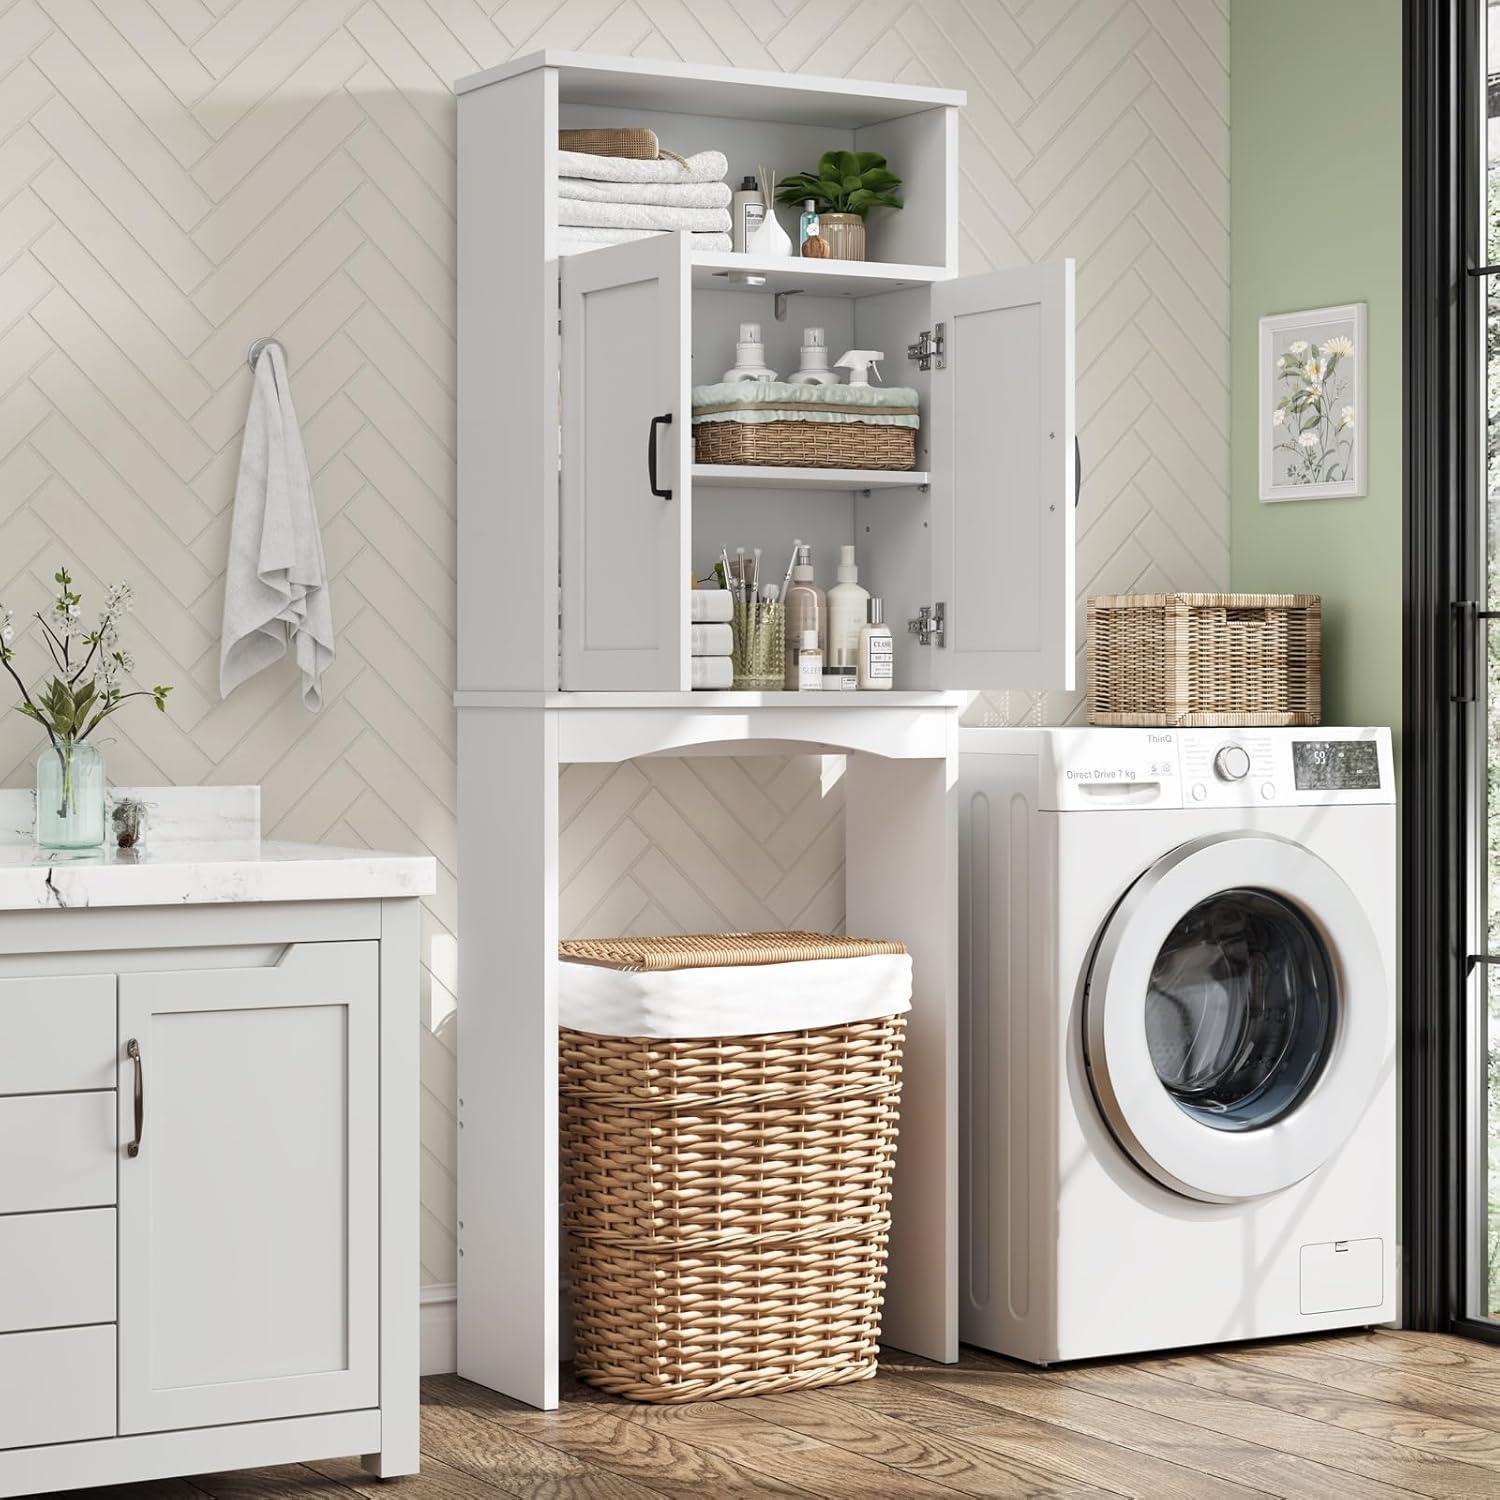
{"x": 507, "y": 385}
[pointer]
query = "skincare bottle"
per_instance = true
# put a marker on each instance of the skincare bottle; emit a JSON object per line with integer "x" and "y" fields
{"x": 847, "y": 603}
{"x": 806, "y": 609}
{"x": 814, "y": 368}
{"x": 810, "y": 241}
{"x": 749, "y": 356}
{"x": 877, "y": 651}
{"x": 749, "y": 213}
{"x": 809, "y": 663}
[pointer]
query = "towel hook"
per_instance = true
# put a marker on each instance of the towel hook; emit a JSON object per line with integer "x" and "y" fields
{"x": 261, "y": 344}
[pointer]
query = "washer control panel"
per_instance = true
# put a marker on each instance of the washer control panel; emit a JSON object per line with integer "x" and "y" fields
{"x": 1216, "y": 768}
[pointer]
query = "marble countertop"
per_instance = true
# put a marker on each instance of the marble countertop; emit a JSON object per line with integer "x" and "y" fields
{"x": 202, "y": 846}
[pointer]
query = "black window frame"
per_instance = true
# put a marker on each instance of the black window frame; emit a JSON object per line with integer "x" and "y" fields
{"x": 1443, "y": 647}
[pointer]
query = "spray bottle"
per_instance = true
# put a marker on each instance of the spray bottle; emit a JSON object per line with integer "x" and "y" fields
{"x": 814, "y": 369}
{"x": 859, "y": 363}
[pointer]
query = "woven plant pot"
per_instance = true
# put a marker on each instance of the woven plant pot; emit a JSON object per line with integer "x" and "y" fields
{"x": 845, "y": 234}
{"x": 1205, "y": 659}
{"x": 727, "y": 1201}
{"x": 806, "y": 445}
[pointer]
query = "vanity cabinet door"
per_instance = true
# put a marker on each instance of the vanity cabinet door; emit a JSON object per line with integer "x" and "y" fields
{"x": 625, "y": 413}
{"x": 248, "y": 1233}
{"x": 1002, "y": 459}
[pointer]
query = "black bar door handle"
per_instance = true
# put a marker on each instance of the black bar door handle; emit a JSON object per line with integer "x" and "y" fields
{"x": 1077, "y": 471}
{"x": 664, "y": 420}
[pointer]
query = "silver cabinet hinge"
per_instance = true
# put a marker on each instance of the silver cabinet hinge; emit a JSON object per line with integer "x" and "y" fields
{"x": 928, "y": 626}
{"x": 928, "y": 349}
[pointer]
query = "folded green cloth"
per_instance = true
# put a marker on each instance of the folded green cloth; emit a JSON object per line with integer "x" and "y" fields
{"x": 781, "y": 401}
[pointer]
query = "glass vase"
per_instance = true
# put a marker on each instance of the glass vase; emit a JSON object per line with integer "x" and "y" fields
{"x": 70, "y": 796}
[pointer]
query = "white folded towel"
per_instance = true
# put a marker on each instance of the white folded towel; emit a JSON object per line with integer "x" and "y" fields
{"x": 715, "y": 673}
{"x": 710, "y": 605}
{"x": 575, "y": 213}
{"x": 275, "y": 582}
{"x": 668, "y": 194}
{"x": 711, "y": 640}
{"x": 706, "y": 166}
{"x": 572, "y": 240}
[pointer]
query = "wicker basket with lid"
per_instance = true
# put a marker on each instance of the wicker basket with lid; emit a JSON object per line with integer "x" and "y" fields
{"x": 727, "y": 1199}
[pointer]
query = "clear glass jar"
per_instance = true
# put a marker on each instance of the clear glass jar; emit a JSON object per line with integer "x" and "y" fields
{"x": 70, "y": 796}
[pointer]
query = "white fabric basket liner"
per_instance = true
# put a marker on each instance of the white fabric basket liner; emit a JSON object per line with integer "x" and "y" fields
{"x": 734, "y": 999}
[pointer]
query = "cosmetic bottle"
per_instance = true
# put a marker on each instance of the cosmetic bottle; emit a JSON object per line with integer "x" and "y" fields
{"x": 877, "y": 651}
{"x": 806, "y": 610}
{"x": 808, "y": 224}
{"x": 847, "y": 603}
{"x": 814, "y": 368}
{"x": 809, "y": 663}
{"x": 747, "y": 215}
{"x": 811, "y": 244}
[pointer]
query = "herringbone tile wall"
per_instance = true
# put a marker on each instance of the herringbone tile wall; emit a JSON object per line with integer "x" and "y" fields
{"x": 180, "y": 176}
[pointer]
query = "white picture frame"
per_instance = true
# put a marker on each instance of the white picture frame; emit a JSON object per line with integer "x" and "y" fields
{"x": 1315, "y": 449}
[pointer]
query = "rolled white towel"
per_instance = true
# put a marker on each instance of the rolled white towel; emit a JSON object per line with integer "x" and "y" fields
{"x": 572, "y": 240}
{"x": 667, "y": 194}
{"x": 706, "y": 166}
{"x": 576, "y": 214}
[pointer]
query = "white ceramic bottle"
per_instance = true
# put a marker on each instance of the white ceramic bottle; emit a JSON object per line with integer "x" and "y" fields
{"x": 877, "y": 651}
{"x": 847, "y": 603}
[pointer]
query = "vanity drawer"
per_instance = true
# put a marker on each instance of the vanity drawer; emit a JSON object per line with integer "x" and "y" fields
{"x": 59, "y": 1269}
{"x": 57, "y": 1386}
{"x": 57, "y": 1033}
{"x": 57, "y": 1151}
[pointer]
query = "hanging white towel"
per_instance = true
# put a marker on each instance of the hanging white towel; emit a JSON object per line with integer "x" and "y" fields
{"x": 276, "y": 583}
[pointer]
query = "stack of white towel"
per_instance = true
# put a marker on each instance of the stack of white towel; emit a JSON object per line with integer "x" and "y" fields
{"x": 712, "y": 645}
{"x": 607, "y": 200}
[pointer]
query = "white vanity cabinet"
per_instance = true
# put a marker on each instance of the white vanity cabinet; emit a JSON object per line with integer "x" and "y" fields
{"x": 208, "y": 1145}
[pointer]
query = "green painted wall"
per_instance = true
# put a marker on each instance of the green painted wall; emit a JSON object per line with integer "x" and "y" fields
{"x": 1315, "y": 219}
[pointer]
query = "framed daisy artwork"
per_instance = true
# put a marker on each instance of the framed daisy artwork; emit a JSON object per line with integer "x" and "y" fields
{"x": 1312, "y": 404}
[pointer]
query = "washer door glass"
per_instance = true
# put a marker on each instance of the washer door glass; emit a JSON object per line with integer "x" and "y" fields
{"x": 1241, "y": 1009}
{"x": 1237, "y": 1016}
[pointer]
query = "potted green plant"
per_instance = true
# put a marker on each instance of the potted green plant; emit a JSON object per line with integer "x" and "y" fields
{"x": 845, "y": 187}
{"x": 84, "y": 691}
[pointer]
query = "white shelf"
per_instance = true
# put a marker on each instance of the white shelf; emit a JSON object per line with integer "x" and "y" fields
{"x": 716, "y": 270}
{"x": 741, "y": 93}
{"x": 774, "y": 477}
{"x": 699, "y": 700}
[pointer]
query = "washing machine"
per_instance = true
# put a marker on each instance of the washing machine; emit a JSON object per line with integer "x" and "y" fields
{"x": 1178, "y": 1037}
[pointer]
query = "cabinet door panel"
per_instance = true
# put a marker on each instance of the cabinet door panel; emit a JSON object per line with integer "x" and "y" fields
{"x": 625, "y": 550}
{"x": 248, "y": 1221}
{"x": 1003, "y": 492}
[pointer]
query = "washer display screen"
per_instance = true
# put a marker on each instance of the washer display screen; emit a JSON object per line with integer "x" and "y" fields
{"x": 1335, "y": 765}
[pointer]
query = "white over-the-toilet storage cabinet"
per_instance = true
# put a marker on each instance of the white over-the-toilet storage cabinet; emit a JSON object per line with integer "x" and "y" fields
{"x": 583, "y": 518}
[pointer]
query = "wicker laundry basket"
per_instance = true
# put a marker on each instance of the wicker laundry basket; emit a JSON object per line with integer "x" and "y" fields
{"x": 806, "y": 445}
{"x": 727, "y": 1200}
{"x": 1209, "y": 659}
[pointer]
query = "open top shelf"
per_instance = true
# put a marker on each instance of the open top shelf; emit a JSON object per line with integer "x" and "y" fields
{"x": 724, "y": 271}
{"x": 697, "y": 89}
{"x": 774, "y": 477}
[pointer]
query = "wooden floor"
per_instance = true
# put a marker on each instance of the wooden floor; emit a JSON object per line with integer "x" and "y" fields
{"x": 1355, "y": 1414}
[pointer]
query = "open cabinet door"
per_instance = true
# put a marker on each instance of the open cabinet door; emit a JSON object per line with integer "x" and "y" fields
{"x": 1002, "y": 464}
{"x": 625, "y": 470}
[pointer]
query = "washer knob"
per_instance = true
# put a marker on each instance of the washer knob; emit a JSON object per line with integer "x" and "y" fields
{"x": 1232, "y": 763}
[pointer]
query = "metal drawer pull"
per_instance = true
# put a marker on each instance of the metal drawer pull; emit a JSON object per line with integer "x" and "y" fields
{"x": 133, "y": 1052}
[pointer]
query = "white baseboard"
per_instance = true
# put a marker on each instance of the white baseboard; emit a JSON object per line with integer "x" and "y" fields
{"x": 439, "y": 1330}
{"x": 439, "y": 1324}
